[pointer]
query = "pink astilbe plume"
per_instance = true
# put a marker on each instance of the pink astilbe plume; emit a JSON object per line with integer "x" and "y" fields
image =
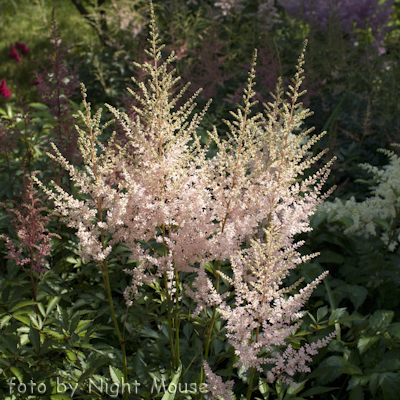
{"x": 33, "y": 244}
{"x": 206, "y": 70}
{"x": 215, "y": 386}
{"x": 200, "y": 212}
{"x": 56, "y": 83}
{"x": 4, "y": 89}
{"x": 13, "y": 54}
{"x": 23, "y": 48}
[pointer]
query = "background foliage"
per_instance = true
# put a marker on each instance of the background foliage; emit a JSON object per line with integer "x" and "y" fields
{"x": 353, "y": 91}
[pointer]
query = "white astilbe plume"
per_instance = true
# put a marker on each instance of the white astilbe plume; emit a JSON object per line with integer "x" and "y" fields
{"x": 381, "y": 210}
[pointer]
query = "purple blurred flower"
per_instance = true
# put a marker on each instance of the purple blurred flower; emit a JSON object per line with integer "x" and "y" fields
{"x": 350, "y": 14}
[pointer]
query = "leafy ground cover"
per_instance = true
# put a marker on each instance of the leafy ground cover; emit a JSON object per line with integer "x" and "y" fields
{"x": 66, "y": 329}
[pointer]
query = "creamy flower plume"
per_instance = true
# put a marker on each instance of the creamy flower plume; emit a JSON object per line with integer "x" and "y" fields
{"x": 200, "y": 212}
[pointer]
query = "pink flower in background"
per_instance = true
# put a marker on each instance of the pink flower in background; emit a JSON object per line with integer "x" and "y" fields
{"x": 4, "y": 90}
{"x": 13, "y": 54}
{"x": 23, "y": 48}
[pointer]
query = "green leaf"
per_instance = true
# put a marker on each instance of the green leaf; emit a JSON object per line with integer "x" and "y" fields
{"x": 322, "y": 312}
{"x": 358, "y": 380}
{"x": 39, "y": 106}
{"x": 381, "y": 222}
{"x": 356, "y": 393}
{"x": 388, "y": 382}
{"x": 41, "y": 309}
{"x": 394, "y": 330}
{"x": 92, "y": 367}
{"x": 36, "y": 320}
{"x": 22, "y": 304}
{"x": 173, "y": 386}
{"x": 60, "y": 396}
{"x": 4, "y": 321}
{"x": 365, "y": 343}
{"x": 264, "y": 389}
{"x": 116, "y": 375}
{"x": 17, "y": 373}
{"x": 22, "y": 317}
{"x": 336, "y": 315}
{"x": 380, "y": 320}
{"x": 318, "y": 390}
{"x": 294, "y": 390}
{"x": 82, "y": 325}
{"x": 332, "y": 367}
{"x": 356, "y": 293}
{"x": 34, "y": 338}
{"x": 329, "y": 256}
{"x": 52, "y": 304}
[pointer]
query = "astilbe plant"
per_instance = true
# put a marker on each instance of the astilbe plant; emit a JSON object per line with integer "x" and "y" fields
{"x": 379, "y": 212}
{"x": 32, "y": 246}
{"x": 201, "y": 212}
{"x": 56, "y": 84}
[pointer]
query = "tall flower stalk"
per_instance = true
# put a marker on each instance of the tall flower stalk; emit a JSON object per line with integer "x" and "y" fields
{"x": 192, "y": 213}
{"x": 33, "y": 240}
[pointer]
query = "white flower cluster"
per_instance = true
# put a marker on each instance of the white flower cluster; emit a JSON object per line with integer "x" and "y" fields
{"x": 380, "y": 210}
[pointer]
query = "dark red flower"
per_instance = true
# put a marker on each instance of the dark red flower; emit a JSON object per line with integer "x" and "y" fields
{"x": 23, "y": 48}
{"x": 13, "y": 54}
{"x": 4, "y": 90}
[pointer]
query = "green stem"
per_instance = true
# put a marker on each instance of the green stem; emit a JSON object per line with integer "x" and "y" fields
{"x": 333, "y": 306}
{"x": 121, "y": 340}
{"x": 170, "y": 330}
{"x": 250, "y": 387}
{"x": 177, "y": 320}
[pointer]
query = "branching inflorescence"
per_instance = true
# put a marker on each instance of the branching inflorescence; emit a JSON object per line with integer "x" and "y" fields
{"x": 202, "y": 211}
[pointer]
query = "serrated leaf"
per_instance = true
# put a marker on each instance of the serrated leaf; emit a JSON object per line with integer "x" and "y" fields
{"x": 388, "y": 383}
{"x": 52, "y": 304}
{"x": 294, "y": 390}
{"x": 116, "y": 375}
{"x": 336, "y": 315}
{"x": 365, "y": 343}
{"x": 322, "y": 312}
{"x": 380, "y": 320}
{"x": 394, "y": 330}
{"x": 92, "y": 366}
{"x": 41, "y": 309}
{"x": 34, "y": 338}
{"x": 356, "y": 293}
{"x": 82, "y": 324}
{"x": 358, "y": 380}
{"x": 36, "y": 320}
